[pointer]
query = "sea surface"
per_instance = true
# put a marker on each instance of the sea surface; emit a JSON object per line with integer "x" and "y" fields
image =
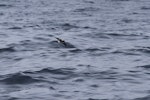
{"x": 106, "y": 57}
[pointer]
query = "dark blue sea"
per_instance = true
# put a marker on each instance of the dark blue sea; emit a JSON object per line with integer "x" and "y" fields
{"x": 106, "y": 55}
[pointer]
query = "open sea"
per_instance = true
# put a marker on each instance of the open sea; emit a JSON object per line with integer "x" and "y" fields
{"x": 106, "y": 56}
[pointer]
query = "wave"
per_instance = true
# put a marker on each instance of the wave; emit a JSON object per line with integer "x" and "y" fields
{"x": 141, "y": 49}
{"x": 8, "y": 49}
{"x": 55, "y": 44}
{"x": 67, "y": 26}
{"x": 145, "y": 66}
{"x": 18, "y": 78}
{"x": 143, "y": 98}
{"x": 120, "y": 0}
{"x": 91, "y": 2}
{"x": 145, "y": 8}
{"x": 5, "y": 5}
{"x": 86, "y": 9}
{"x": 60, "y": 71}
{"x": 15, "y": 28}
{"x": 29, "y": 45}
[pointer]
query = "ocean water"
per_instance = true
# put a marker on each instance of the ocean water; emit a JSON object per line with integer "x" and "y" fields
{"x": 107, "y": 56}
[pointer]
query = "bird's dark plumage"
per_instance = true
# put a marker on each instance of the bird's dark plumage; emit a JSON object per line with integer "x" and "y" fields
{"x": 61, "y": 41}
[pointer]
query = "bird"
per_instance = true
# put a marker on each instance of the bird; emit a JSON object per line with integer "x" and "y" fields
{"x": 61, "y": 41}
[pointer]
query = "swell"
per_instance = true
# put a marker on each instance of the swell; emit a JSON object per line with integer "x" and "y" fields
{"x": 7, "y": 49}
{"x": 5, "y": 6}
{"x": 28, "y": 45}
{"x": 104, "y": 35}
{"x": 60, "y": 71}
{"x": 49, "y": 74}
{"x": 143, "y": 98}
{"x": 86, "y": 9}
{"x": 141, "y": 49}
{"x": 144, "y": 66}
{"x": 145, "y": 8}
{"x": 18, "y": 78}
{"x": 69, "y": 73}
{"x": 43, "y": 75}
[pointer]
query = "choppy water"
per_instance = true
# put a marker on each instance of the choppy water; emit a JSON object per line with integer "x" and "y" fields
{"x": 107, "y": 57}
